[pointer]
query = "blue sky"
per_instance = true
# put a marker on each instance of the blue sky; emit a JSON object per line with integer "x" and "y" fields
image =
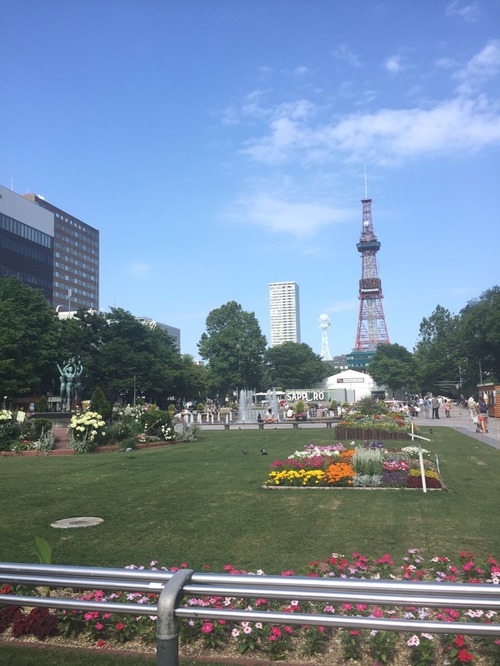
{"x": 219, "y": 145}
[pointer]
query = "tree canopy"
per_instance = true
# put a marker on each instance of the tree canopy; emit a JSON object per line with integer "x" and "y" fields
{"x": 393, "y": 366}
{"x": 28, "y": 326}
{"x": 234, "y": 347}
{"x": 480, "y": 335}
{"x": 295, "y": 365}
{"x": 438, "y": 350}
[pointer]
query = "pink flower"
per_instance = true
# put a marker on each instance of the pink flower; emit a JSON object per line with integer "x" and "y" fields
{"x": 207, "y": 628}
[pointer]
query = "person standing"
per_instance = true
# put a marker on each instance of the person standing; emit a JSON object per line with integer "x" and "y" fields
{"x": 482, "y": 410}
{"x": 427, "y": 406}
{"x": 435, "y": 404}
{"x": 471, "y": 406}
{"x": 447, "y": 408}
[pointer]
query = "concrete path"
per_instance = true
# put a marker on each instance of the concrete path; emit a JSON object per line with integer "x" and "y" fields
{"x": 459, "y": 420}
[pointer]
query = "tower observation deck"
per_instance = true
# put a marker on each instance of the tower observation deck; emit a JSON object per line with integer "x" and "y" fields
{"x": 372, "y": 329}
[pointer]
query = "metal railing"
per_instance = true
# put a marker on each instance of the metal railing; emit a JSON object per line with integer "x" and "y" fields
{"x": 173, "y": 586}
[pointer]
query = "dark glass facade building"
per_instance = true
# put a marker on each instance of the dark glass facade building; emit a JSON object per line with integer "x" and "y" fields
{"x": 76, "y": 260}
{"x": 50, "y": 249}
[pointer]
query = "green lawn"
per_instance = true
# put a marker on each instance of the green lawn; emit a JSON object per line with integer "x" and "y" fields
{"x": 41, "y": 655}
{"x": 201, "y": 503}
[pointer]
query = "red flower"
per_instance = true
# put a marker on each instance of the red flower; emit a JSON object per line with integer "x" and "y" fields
{"x": 120, "y": 626}
{"x": 463, "y": 655}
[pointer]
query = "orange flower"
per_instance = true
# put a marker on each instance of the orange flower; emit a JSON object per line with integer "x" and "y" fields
{"x": 340, "y": 473}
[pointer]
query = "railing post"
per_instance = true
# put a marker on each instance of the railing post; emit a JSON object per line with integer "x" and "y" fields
{"x": 167, "y": 626}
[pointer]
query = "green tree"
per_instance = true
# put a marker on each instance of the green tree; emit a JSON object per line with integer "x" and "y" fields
{"x": 295, "y": 365}
{"x": 121, "y": 355}
{"x": 480, "y": 335}
{"x": 234, "y": 347}
{"x": 438, "y": 352}
{"x": 28, "y": 326}
{"x": 192, "y": 381}
{"x": 136, "y": 357}
{"x": 393, "y": 366}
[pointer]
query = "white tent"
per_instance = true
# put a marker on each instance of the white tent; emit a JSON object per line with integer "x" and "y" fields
{"x": 349, "y": 385}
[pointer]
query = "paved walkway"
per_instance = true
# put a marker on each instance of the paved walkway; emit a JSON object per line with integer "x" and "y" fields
{"x": 459, "y": 421}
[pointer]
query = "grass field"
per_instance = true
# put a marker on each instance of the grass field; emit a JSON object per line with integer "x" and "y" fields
{"x": 201, "y": 503}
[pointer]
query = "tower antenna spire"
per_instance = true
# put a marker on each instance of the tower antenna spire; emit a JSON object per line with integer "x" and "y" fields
{"x": 372, "y": 329}
{"x": 366, "y": 184}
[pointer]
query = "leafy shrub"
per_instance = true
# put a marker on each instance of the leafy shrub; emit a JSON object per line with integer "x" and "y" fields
{"x": 300, "y": 407}
{"x": 45, "y": 441}
{"x": 100, "y": 404}
{"x": 369, "y": 406}
{"x": 40, "y": 426}
{"x": 124, "y": 428}
{"x": 154, "y": 422}
{"x": 10, "y": 429}
{"x": 183, "y": 432}
{"x": 129, "y": 443}
{"x": 200, "y": 407}
{"x": 42, "y": 405}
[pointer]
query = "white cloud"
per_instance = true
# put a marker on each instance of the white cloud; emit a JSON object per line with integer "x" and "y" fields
{"x": 301, "y": 219}
{"x": 468, "y": 12}
{"x": 139, "y": 269}
{"x": 344, "y": 53}
{"x": 467, "y": 122}
{"x": 301, "y": 71}
{"x": 384, "y": 136}
{"x": 482, "y": 67}
{"x": 394, "y": 64}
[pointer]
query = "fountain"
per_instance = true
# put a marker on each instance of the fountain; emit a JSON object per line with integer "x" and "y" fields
{"x": 246, "y": 413}
{"x": 272, "y": 402}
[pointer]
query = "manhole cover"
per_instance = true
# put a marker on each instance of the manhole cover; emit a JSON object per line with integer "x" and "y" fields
{"x": 86, "y": 521}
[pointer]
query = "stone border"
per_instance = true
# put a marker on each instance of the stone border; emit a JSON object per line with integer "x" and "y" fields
{"x": 443, "y": 487}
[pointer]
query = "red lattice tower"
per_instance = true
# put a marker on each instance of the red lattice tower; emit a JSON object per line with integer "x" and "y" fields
{"x": 372, "y": 329}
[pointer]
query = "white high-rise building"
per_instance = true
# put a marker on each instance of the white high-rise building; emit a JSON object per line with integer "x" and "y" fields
{"x": 285, "y": 312}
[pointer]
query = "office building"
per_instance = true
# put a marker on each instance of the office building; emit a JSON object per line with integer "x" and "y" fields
{"x": 174, "y": 332}
{"x": 26, "y": 242}
{"x": 76, "y": 259}
{"x": 45, "y": 247}
{"x": 285, "y": 312}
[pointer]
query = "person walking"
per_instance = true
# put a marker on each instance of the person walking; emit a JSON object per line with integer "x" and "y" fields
{"x": 482, "y": 410}
{"x": 435, "y": 404}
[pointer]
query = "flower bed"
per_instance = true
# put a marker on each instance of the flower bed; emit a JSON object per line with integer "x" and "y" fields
{"x": 296, "y": 642}
{"x": 390, "y": 426}
{"x": 351, "y": 432}
{"x": 368, "y": 465}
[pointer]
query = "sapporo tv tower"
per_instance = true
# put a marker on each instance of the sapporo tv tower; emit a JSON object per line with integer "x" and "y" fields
{"x": 372, "y": 329}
